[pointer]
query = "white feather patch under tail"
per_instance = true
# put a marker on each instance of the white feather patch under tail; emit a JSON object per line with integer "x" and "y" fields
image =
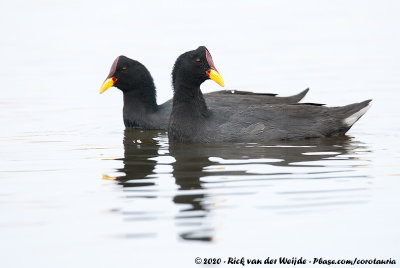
{"x": 349, "y": 121}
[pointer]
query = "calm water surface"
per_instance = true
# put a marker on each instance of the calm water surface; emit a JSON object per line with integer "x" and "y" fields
{"x": 78, "y": 190}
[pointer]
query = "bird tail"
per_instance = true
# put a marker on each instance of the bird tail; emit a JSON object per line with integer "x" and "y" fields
{"x": 350, "y": 114}
{"x": 292, "y": 99}
{"x": 300, "y": 96}
{"x": 354, "y": 111}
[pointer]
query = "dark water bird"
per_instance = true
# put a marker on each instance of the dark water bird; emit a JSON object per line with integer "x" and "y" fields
{"x": 140, "y": 105}
{"x": 192, "y": 120}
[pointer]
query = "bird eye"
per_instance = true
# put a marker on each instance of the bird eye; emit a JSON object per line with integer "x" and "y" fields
{"x": 198, "y": 60}
{"x": 124, "y": 69}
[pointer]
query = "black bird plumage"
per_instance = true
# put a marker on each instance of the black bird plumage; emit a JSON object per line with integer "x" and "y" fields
{"x": 140, "y": 105}
{"x": 192, "y": 120}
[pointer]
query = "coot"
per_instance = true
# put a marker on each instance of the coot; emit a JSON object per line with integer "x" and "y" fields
{"x": 192, "y": 120}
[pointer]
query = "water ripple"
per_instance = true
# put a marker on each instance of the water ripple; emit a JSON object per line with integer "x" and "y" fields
{"x": 191, "y": 184}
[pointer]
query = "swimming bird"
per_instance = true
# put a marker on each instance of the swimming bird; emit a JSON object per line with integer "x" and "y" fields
{"x": 192, "y": 120}
{"x": 140, "y": 105}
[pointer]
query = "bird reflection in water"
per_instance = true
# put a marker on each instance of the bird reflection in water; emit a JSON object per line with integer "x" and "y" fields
{"x": 140, "y": 149}
{"x": 192, "y": 164}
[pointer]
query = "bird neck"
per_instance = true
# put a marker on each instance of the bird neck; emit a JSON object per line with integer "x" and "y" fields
{"x": 145, "y": 100}
{"x": 188, "y": 97}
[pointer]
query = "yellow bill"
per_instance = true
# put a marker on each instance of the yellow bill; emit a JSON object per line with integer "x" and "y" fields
{"x": 107, "y": 84}
{"x": 108, "y": 178}
{"x": 214, "y": 75}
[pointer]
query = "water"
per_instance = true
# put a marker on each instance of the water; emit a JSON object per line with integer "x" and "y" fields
{"x": 77, "y": 190}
